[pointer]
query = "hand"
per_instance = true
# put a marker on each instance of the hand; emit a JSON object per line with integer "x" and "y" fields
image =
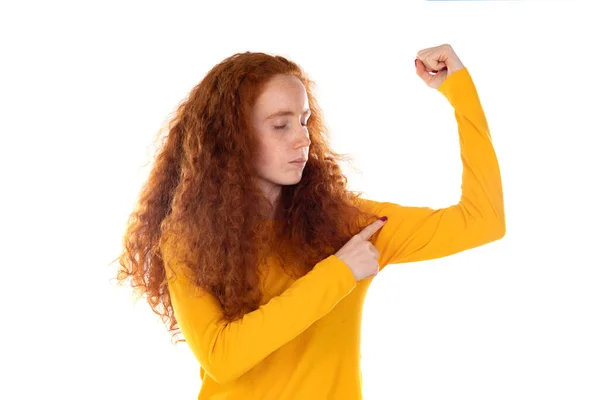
{"x": 442, "y": 61}
{"x": 359, "y": 254}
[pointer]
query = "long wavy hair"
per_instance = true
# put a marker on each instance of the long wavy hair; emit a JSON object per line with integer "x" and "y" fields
{"x": 200, "y": 192}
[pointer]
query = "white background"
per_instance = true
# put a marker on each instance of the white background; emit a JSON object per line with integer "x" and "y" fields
{"x": 85, "y": 86}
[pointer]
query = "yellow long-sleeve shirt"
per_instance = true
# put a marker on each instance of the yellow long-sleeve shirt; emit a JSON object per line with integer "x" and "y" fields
{"x": 304, "y": 341}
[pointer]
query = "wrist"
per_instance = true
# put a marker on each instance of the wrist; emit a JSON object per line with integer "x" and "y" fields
{"x": 454, "y": 66}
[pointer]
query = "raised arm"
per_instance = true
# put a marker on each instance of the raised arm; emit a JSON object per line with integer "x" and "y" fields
{"x": 422, "y": 233}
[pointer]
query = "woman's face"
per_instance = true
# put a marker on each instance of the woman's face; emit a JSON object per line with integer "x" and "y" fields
{"x": 279, "y": 117}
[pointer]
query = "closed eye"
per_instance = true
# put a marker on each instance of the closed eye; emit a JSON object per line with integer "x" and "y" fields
{"x": 283, "y": 126}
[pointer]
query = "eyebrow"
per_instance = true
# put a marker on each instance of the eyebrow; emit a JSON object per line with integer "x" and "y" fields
{"x": 285, "y": 112}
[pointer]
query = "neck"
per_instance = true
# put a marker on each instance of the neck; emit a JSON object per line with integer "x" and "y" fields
{"x": 272, "y": 193}
{"x": 273, "y": 202}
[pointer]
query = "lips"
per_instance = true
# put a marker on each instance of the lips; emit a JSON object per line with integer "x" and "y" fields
{"x": 299, "y": 160}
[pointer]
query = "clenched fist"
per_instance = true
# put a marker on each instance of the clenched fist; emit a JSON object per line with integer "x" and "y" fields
{"x": 359, "y": 254}
{"x": 435, "y": 64}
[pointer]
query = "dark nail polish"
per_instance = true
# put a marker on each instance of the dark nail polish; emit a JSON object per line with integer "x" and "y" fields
{"x": 383, "y": 219}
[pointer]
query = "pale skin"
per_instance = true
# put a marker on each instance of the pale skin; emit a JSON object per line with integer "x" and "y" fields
{"x": 435, "y": 64}
{"x": 284, "y": 138}
{"x": 281, "y": 138}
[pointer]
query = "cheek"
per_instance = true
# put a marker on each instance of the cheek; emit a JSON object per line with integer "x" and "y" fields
{"x": 270, "y": 152}
{"x": 267, "y": 155}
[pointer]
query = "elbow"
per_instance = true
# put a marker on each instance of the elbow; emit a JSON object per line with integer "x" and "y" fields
{"x": 220, "y": 371}
{"x": 223, "y": 370}
{"x": 493, "y": 224}
{"x": 500, "y": 227}
{"x": 496, "y": 230}
{"x": 214, "y": 357}
{"x": 222, "y": 376}
{"x": 489, "y": 230}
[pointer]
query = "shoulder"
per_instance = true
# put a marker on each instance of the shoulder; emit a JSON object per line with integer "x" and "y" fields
{"x": 369, "y": 205}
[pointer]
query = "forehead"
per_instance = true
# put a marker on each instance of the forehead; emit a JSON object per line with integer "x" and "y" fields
{"x": 282, "y": 92}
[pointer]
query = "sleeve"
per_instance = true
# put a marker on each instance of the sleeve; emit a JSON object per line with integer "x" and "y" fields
{"x": 226, "y": 350}
{"x": 422, "y": 233}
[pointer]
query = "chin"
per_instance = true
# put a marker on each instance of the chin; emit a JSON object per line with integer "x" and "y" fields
{"x": 295, "y": 182}
{"x": 289, "y": 181}
{"x": 283, "y": 179}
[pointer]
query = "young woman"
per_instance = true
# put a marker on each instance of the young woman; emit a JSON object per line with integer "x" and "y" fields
{"x": 247, "y": 240}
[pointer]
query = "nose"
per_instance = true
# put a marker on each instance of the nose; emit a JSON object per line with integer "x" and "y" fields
{"x": 302, "y": 138}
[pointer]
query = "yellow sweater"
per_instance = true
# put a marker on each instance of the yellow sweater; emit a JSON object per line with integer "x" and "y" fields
{"x": 304, "y": 341}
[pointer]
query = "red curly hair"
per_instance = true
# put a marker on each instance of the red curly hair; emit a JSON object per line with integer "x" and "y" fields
{"x": 200, "y": 192}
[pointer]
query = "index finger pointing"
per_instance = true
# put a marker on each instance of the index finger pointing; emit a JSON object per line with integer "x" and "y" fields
{"x": 369, "y": 230}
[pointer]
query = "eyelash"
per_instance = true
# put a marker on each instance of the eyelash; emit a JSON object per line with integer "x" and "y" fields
{"x": 283, "y": 126}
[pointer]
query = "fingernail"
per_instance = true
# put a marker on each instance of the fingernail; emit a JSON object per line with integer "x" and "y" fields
{"x": 383, "y": 219}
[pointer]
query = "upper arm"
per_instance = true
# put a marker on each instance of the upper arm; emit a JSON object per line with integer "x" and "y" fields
{"x": 423, "y": 233}
{"x": 198, "y": 314}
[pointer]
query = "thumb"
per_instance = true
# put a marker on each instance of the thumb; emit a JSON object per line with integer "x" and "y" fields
{"x": 434, "y": 80}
